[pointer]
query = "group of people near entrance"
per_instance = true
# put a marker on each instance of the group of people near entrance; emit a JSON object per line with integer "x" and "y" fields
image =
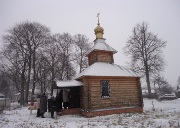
{"x": 52, "y": 104}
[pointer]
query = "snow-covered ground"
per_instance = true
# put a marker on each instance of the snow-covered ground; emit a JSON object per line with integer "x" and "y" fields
{"x": 166, "y": 114}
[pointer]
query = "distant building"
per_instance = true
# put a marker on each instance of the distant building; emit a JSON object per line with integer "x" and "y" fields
{"x": 105, "y": 88}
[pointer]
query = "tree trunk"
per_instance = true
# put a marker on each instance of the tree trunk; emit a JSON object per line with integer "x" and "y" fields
{"x": 81, "y": 62}
{"x": 22, "y": 90}
{"x": 28, "y": 81}
{"x": 67, "y": 65}
{"x": 34, "y": 70}
{"x": 147, "y": 79}
{"x": 44, "y": 76}
{"x": 41, "y": 83}
{"x": 23, "y": 81}
{"x": 52, "y": 79}
{"x": 63, "y": 65}
{"x": 22, "y": 84}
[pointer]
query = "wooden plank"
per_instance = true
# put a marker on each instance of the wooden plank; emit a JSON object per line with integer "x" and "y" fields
{"x": 134, "y": 91}
{"x": 114, "y": 83}
{"x": 116, "y": 96}
{"x": 115, "y": 104}
{"x": 124, "y": 96}
{"x": 114, "y": 78}
{"x": 120, "y": 99}
{"x": 115, "y": 91}
{"x": 122, "y": 84}
{"x": 96, "y": 80}
{"x": 116, "y": 86}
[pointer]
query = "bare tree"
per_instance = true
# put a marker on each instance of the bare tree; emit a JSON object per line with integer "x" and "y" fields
{"x": 39, "y": 35}
{"x": 57, "y": 58}
{"x": 160, "y": 81}
{"x": 10, "y": 72}
{"x": 82, "y": 47}
{"x": 15, "y": 57}
{"x": 64, "y": 44}
{"x": 33, "y": 58}
{"x": 22, "y": 43}
{"x": 178, "y": 88}
{"x": 178, "y": 81}
{"x": 6, "y": 85}
{"x": 52, "y": 58}
{"x": 145, "y": 50}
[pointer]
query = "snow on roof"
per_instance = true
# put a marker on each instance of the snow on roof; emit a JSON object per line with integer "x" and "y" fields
{"x": 101, "y": 45}
{"x": 71, "y": 83}
{"x": 106, "y": 69}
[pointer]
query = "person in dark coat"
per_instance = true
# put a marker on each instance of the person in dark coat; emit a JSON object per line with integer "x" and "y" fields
{"x": 65, "y": 98}
{"x": 43, "y": 105}
{"x": 59, "y": 101}
{"x": 52, "y": 106}
{"x": 38, "y": 105}
{"x": 49, "y": 102}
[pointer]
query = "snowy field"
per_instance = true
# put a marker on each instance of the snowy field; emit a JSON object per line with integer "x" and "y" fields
{"x": 166, "y": 114}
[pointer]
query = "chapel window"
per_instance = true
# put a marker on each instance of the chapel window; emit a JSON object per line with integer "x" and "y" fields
{"x": 105, "y": 88}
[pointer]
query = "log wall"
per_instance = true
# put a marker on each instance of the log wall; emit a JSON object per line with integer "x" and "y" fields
{"x": 100, "y": 56}
{"x": 124, "y": 92}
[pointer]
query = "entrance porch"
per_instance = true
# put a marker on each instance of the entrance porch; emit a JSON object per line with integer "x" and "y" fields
{"x": 73, "y": 88}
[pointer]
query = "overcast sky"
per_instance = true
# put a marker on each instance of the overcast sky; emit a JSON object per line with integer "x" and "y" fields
{"x": 117, "y": 17}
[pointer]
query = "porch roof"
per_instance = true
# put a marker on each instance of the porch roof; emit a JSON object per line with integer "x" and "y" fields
{"x": 72, "y": 83}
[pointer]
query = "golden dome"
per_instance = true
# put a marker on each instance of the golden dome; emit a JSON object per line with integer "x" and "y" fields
{"x": 99, "y": 29}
